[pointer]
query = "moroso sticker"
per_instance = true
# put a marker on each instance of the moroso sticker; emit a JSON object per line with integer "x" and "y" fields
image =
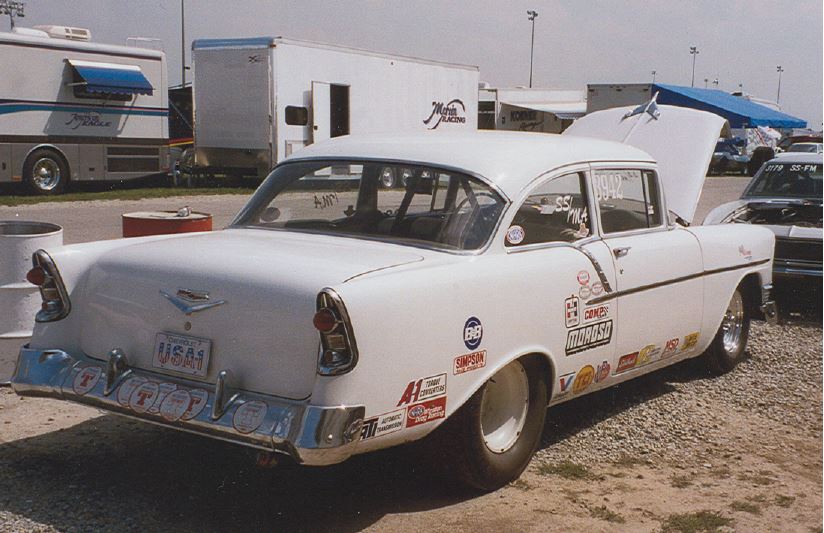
{"x": 647, "y": 354}
{"x": 565, "y": 382}
{"x": 602, "y": 372}
{"x": 125, "y": 391}
{"x": 175, "y": 404}
{"x": 383, "y": 424}
{"x": 249, "y": 416}
{"x": 164, "y": 390}
{"x": 583, "y": 380}
{"x": 596, "y": 312}
{"x": 423, "y": 389}
{"x": 670, "y": 348}
{"x": 473, "y": 332}
{"x": 626, "y": 362}
{"x": 86, "y": 379}
{"x": 583, "y": 277}
{"x": 515, "y": 235}
{"x": 588, "y": 337}
{"x": 197, "y": 402}
{"x": 571, "y": 306}
{"x": 422, "y": 413}
{"x": 469, "y": 362}
{"x": 690, "y": 341}
{"x": 144, "y": 396}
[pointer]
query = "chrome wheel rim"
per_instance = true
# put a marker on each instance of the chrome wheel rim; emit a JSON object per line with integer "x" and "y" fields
{"x": 732, "y": 325}
{"x": 504, "y": 406}
{"x": 46, "y": 174}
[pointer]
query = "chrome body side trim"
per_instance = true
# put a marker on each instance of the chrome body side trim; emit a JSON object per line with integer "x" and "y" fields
{"x": 310, "y": 434}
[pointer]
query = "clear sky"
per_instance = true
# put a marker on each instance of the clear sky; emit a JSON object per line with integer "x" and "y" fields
{"x": 576, "y": 41}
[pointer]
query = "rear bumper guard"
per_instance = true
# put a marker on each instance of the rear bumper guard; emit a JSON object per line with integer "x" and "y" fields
{"x": 310, "y": 434}
{"x": 768, "y": 307}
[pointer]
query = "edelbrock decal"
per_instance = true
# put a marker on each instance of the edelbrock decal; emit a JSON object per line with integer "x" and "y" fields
{"x": 588, "y": 337}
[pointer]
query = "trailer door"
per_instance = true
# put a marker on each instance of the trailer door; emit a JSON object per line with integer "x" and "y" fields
{"x": 321, "y": 111}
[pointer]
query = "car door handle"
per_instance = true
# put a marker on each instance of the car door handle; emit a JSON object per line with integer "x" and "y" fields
{"x": 621, "y": 251}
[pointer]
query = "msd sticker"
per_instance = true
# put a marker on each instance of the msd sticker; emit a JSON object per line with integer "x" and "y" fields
{"x": 383, "y": 424}
{"x": 86, "y": 379}
{"x": 571, "y": 306}
{"x": 473, "y": 332}
{"x": 423, "y": 389}
{"x": 422, "y": 413}
{"x": 670, "y": 348}
{"x": 588, "y": 337}
{"x": 468, "y": 362}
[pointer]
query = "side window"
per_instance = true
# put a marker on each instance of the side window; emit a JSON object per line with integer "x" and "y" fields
{"x": 556, "y": 210}
{"x": 296, "y": 116}
{"x": 627, "y": 199}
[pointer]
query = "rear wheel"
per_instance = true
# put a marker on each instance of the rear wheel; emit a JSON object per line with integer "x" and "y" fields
{"x": 727, "y": 348}
{"x": 45, "y": 172}
{"x": 491, "y": 439}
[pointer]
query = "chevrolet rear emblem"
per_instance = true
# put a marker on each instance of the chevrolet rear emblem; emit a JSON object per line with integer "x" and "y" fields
{"x": 190, "y": 301}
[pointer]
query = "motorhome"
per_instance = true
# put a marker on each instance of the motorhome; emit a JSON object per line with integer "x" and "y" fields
{"x": 258, "y": 100}
{"x": 74, "y": 110}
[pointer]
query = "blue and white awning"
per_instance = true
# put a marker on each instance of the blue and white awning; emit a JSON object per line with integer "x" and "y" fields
{"x": 110, "y": 78}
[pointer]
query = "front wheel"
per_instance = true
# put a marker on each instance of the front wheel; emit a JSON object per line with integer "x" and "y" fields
{"x": 491, "y": 439}
{"x": 727, "y": 348}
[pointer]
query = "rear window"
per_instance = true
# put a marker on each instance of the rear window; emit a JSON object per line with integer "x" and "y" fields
{"x": 379, "y": 200}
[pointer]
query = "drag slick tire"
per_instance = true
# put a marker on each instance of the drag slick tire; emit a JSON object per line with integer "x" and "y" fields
{"x": 490, "y": 440}
{"x": 730, "y": 342}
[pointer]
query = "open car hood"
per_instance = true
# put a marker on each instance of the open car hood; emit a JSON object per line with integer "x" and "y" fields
{"x": 681, "y": 140}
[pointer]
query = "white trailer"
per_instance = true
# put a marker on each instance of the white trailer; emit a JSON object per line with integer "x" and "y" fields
{"x": 522, "y": 109}
{"x": 258, "y": 100}
{"x": 76, "y": 110}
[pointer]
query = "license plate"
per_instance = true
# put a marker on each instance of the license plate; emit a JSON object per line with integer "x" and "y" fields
{"x": 179, "y": 353}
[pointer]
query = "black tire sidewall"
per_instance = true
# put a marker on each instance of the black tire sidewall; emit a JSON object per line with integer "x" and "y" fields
{"x": 28, "y": 167}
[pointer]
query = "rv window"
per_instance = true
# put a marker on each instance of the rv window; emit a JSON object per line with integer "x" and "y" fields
{"x": 296, "y": 116}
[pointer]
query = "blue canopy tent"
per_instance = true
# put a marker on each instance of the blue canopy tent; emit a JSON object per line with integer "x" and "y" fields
{"x": 740, "y": 112}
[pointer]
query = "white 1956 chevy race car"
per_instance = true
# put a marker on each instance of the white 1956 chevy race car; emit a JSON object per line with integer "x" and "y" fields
{"x": 335, "y": 316}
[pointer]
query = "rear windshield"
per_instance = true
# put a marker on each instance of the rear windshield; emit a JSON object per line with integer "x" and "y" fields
{"x": 793, "y": 180}
{"x": 379, "y": 200}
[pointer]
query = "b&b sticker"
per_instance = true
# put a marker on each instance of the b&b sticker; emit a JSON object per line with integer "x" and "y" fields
{"x": 423, "y": 389}
{"x": 422, "y": 413}
{"x": 473, "y": 333}
{"x": 588, "y": 337}
{"x": 383, "y": 424}
{"x": 468, "y": 362}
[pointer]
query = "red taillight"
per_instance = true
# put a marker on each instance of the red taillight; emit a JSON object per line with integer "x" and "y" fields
{"x": 36, "y": 276}
{"x": 325, "y": 321}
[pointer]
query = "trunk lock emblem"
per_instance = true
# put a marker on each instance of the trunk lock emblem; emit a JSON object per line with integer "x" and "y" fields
{"x": 190, "y": 301}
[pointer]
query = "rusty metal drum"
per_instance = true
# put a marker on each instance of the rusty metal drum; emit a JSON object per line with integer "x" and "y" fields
{"x": 141, "y": 224}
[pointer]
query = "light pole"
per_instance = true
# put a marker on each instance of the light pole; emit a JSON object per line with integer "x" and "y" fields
{"x": 532, "y": 15}
{"x": 182, "y": 45}
{"x": 693, "y": 52}
{"x": 653, "y": 76}
{"x": 12, "y": 9}
{"x": 706, "y": 81}
{"x": 778, "y": 69}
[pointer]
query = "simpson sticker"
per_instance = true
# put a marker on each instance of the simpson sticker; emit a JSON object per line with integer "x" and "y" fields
{"x": 383, "y": 424}
{"x": 175, "y": 404}
{"x": 515, "y": 235}
{"x": 144, "y": 396}
{"x": 422, "y": 413}
{"x": 124, "y": 393}
{"x": 565, "y": 382}
{"x": 690, "y": 341}
{"x": 602, "y": 372}
{"x": 583, "y": 277}
{"x": 626, "y": 362}
{"x": 249, "y": 416}
{"x": 670, "y": 348}
{"x": 583, "y": 380}
{"x": 423, "y": 389}
{"x": 647, "y": 354}
{"x": 585, "y": 292}
{"x": 468, "y": 362}
{"x": 86, "y": 379}
{"x": 588, "y": 337}
{"x": 473, "y": 332}
{"x": 197, "y": 401}
{"x": 595, "y": 313}
{"x": 571, "y": 306}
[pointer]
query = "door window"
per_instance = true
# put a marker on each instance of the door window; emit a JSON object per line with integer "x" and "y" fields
{"x": 556, "y": 210}
{"x": 627, "y": 199}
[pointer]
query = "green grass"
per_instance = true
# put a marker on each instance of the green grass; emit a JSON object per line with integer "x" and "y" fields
{"x": 602, "y": 513}
{"x": 701, "y": 521}
{"x": 566, "y": 470}
{"x": 745, "y": 507}
{"x": 123, "y": 194}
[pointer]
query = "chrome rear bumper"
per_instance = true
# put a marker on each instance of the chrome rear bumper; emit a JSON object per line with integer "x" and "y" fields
{"x": 768, "y": 307}
{"x": 312, "y": 435}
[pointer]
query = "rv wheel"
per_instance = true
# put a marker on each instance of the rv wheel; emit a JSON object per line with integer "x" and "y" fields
{"x": 45, "y": 172}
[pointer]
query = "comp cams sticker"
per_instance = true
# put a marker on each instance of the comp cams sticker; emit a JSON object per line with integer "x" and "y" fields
{"x": 588, "y": 337}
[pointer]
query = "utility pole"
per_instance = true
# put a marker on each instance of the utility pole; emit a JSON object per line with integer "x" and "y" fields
{"x": 653, "y": 76}
{"x": 532, "y": 15}
{"x": 182, "y": 44}
{"x": 778, "y": 69}
{"x": 693, "y": 52}
{"x": 12, "y": 9}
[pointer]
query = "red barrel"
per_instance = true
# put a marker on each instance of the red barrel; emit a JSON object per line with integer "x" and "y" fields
{"x": 145, "y": 223}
